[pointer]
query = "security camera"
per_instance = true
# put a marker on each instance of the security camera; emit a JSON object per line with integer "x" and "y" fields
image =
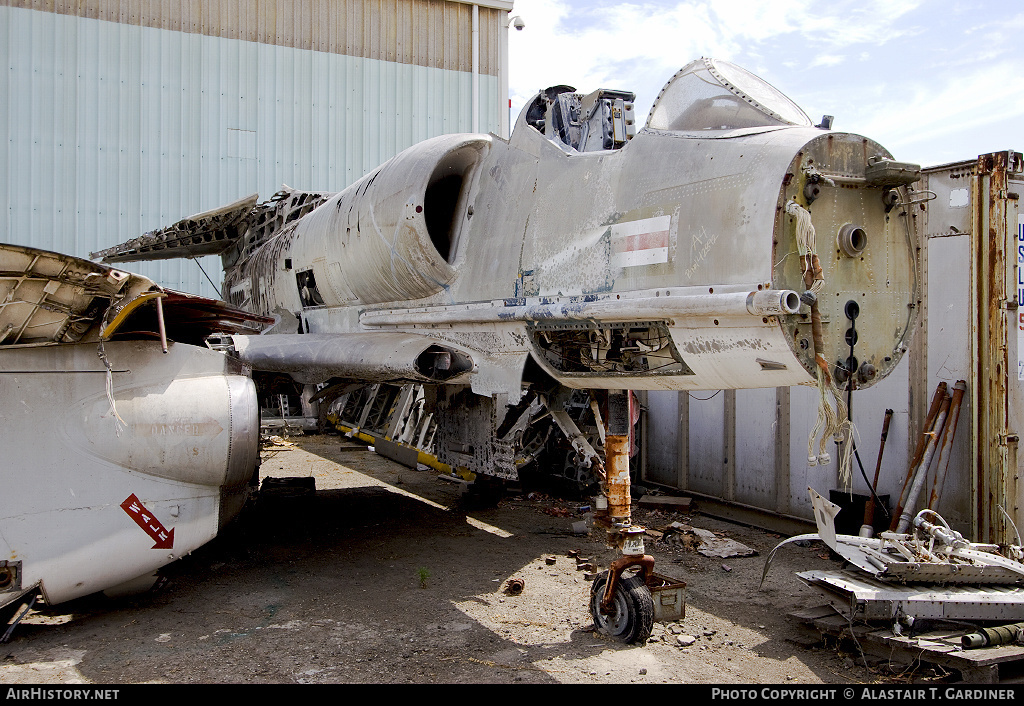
{"x": 518, "y": 23}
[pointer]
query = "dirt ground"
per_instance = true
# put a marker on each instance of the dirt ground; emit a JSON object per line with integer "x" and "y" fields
{"x": 384, "y": 576}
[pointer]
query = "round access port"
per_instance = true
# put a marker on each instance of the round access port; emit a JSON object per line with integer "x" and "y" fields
{"x": 852, "y": 240}
{"x": 6, "y": 577}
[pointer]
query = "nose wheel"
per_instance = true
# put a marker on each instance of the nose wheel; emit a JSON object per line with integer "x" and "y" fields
{"x": 621, "y": 605}
{"x": 630, "y": 615}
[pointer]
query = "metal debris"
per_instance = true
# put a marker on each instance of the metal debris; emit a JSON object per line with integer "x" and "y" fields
{"x": 932, "y": 572}
{"x": 706, "y": 542}
{"x": 999, "y": 635}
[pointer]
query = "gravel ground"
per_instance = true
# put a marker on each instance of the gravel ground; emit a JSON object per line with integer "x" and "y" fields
{"x": 384, "y": 576}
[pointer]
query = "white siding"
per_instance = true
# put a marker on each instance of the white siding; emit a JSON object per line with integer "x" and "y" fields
{"x": 117, "y": 129}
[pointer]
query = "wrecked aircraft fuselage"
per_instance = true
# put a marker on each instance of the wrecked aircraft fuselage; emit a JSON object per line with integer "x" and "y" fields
{"x": 728, "y": 244}
{"x": 123, "y": 450}
{"x": 675, "y": 260}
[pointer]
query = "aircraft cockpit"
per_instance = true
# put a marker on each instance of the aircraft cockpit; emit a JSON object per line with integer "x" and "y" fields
{"x": 708, "y": 94}
{"x": 705, "y": 96}
{"x": 602, "y": 120}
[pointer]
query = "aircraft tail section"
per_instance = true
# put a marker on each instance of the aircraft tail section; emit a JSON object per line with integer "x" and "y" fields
{"x": 109, "y": 474}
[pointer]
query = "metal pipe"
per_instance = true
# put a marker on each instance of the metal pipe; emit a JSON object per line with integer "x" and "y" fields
{"x": 999, "y": 635}
{"x": 617, "y": 478}
{"x": 922, "y": 470}
{"x": 504, "y": 115}
{"x": 160, "y": 323}
{"x": 616, "y": 467}
{"x": 947, "y": 444}
{"x": 770, "y": 302}
{"x": 476, "y": 68}
{"x": 933, "y": 410}
{"x": 867, "y": 529}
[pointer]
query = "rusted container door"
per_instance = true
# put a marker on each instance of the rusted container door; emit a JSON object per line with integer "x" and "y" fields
{"x": 995, "y": 390}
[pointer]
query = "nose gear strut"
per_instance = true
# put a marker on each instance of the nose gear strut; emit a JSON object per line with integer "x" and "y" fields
{"x": 622, "y": 606}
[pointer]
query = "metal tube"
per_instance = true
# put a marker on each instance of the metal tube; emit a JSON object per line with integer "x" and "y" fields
{"x": 476, "y": 67}
{"x": 947, "y": 444}
{"x": 160, "y": 323}
{"x": 866, "y": 529}
{"x": 770, "y": 302}
{"x": 999, "y": 635}
{"x": 922, "y": 470}
{"x": 617, "y": 478}
{"x": 933, "y": 410}
{"x": 616, "y": 448}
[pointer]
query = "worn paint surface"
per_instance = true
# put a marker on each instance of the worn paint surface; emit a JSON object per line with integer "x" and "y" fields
{"x": 666, "y": 230}
{"x": 133, "y": 432}
{"x": 673, "y": 260}
{"x": 181, "y": 438}
{"x": 946, "y": 348}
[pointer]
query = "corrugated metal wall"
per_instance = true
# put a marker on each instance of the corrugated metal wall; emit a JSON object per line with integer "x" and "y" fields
{"x": 432, "y": 33}
{"x": 123, "y": 117}
{"x": 750, "y": 446}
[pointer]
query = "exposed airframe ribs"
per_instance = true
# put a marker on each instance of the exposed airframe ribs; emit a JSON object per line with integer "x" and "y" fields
{"x": 245, "y": 223}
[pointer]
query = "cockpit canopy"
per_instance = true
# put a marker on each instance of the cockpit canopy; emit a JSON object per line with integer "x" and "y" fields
{"x": 708, "y": 94}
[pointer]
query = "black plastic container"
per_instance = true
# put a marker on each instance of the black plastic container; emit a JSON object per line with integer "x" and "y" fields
{"x": 851, "y": 516}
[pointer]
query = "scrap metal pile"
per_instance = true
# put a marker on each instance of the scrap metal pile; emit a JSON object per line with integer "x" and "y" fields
{"x": 921, "y": 568}
{"x": 932, "y": 573}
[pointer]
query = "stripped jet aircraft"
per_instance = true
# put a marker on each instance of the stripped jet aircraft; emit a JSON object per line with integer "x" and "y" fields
{"x": 728, "y": 244}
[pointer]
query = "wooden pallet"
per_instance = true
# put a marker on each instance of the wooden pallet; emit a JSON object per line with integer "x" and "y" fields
{"x": 986, "y": 665}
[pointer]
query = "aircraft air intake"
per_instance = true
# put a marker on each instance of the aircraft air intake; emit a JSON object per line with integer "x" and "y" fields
{"x": 394, "y": 234}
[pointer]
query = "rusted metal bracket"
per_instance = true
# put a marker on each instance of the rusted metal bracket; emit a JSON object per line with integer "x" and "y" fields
{"x": 615, "y": 569}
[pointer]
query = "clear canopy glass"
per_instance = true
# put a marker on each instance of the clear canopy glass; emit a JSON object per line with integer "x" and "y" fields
{"x": 717, "y": 95}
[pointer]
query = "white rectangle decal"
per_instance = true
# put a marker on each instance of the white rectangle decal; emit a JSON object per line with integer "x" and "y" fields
{"x": 643, "y": 242}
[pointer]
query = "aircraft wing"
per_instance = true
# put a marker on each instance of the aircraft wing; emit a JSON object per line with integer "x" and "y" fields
{"x": 51, "y": 298}
{"x": 208, "y": 233}
{"x": 244, "y": 224}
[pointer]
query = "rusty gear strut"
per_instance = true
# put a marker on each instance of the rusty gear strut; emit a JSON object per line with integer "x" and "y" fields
{"x": 621, "y": 533}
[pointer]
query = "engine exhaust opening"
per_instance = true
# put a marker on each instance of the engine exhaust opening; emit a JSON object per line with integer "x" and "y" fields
{"x": 445, "y": 198}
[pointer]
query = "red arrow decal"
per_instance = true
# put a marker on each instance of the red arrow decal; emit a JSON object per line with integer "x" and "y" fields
{"x": 150, "y": 525}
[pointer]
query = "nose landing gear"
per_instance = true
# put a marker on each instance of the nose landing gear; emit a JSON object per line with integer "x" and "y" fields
{"x": 621, "y": 606}
{"x": 628, "y": 613}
